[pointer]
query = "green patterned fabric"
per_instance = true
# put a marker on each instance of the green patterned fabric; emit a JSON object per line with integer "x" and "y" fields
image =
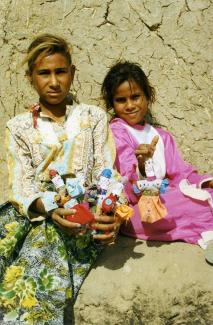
{"x": 41, "y": 270}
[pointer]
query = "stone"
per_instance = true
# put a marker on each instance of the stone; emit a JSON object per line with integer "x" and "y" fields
{"x": 150, "y": 283}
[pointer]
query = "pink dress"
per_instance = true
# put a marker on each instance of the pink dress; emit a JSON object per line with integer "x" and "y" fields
{"x": 187, "y": 217}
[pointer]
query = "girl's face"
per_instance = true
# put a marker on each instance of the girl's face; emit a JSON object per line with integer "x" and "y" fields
{"x": 130, "y": 103}
{"x": 52, "y": 77}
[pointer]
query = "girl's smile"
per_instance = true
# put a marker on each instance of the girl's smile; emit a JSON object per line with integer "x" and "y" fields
{"x": 130, "y": 103}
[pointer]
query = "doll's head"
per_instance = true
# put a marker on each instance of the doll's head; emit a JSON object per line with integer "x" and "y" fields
{"x": 127, "y": 90}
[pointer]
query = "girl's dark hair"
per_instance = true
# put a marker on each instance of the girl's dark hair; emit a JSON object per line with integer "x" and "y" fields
{"x": 125, "y": 71}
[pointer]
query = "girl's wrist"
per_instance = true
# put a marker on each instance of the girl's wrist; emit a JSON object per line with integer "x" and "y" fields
{"x": 48, "y": 201}
{"x": 141, "y": 167}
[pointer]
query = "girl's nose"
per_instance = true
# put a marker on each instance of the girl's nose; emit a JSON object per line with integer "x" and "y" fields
{"x": 129, "y": 104}
{"x": 54, "y": 80}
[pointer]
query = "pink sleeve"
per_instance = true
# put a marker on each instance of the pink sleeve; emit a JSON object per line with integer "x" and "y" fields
{"x": 176, "y": 168}
{"x": 126, "y": 161}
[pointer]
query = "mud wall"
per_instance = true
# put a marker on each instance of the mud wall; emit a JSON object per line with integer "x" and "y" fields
{"x": 172, "y": 40}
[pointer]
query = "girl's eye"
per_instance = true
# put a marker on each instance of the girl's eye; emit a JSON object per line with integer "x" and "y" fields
{"x": 135, "y": 97}
{"x": 44, "y": 72}
{"x": 120, "y": 100}
{"x": 47, "y": 72}
{"x": 61, "y": 71}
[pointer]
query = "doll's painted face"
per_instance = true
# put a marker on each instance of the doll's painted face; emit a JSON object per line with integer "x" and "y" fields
{"x": 130, "y": 103}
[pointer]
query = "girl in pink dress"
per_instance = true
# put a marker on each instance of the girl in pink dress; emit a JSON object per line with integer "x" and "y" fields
{"x": 184, "y": 198}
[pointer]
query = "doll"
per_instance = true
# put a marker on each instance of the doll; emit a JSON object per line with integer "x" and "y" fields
{"x": 151, "y": 208}
{"x": 69, "y": 196}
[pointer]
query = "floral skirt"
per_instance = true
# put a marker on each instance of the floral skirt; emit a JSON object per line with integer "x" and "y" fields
{"x": 41, "y": 270}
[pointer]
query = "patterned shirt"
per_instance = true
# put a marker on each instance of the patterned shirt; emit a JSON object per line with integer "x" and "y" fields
{"x": 80, "y": 146}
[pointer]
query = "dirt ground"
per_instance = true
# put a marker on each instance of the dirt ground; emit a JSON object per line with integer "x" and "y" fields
{"x": 148, "y": 283}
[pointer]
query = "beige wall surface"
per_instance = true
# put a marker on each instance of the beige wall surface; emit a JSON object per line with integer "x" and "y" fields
{"x": 172, "y": 40}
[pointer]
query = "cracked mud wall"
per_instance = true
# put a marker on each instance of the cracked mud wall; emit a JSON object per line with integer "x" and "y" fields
{"x": 172, "y": 40}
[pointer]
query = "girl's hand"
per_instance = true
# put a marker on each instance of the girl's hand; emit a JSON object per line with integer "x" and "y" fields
{"x": 109, "y": 225}
{"x": 208, "y": 184}
{"x": 58, "y": 218}
{"x": 145, "y": 151}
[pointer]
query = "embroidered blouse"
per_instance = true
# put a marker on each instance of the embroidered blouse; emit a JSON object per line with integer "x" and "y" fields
{"x": 81, "y": 146}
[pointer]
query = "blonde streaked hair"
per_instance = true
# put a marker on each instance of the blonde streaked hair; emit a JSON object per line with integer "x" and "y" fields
{"x": 43, "y": 45}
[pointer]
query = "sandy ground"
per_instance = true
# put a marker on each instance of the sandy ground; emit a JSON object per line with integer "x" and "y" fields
{"x": 148, "y": 283}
